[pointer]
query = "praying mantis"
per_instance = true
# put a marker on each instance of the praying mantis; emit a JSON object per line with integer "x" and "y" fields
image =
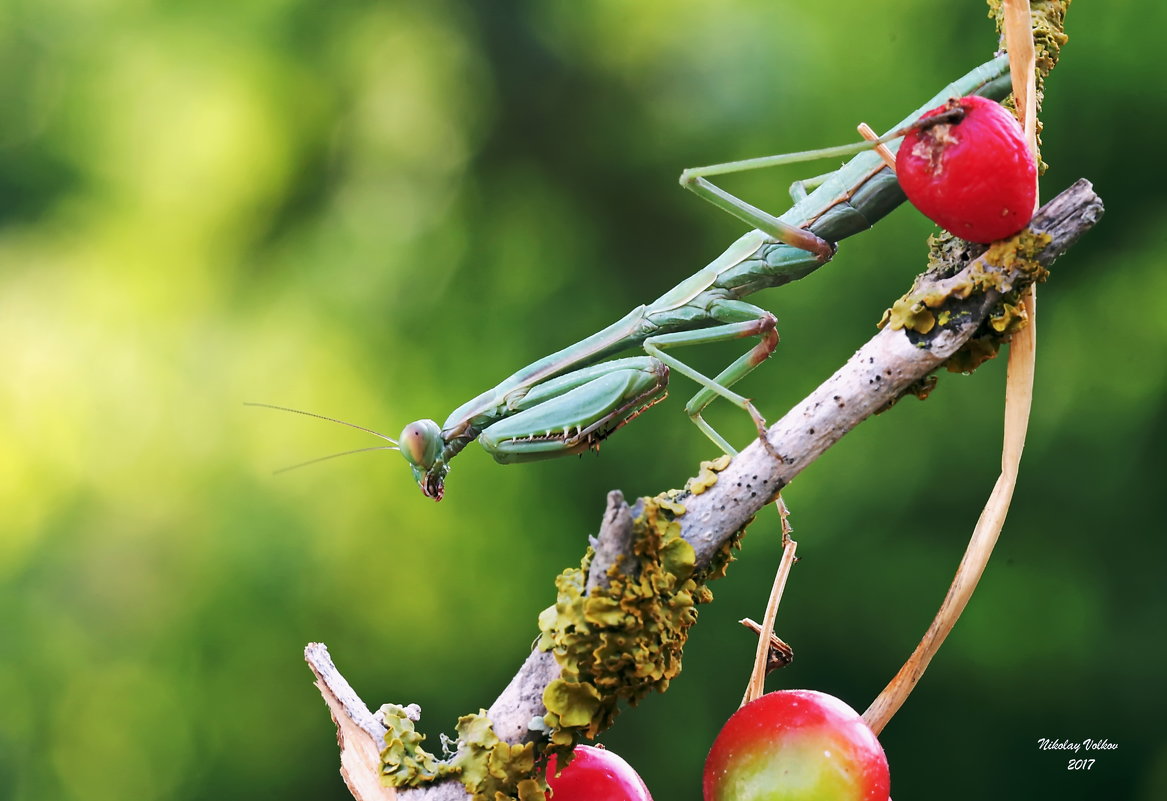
{"x": 571, "y": 400}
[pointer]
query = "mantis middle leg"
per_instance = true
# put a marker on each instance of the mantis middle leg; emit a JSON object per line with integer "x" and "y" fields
{"x": 737, "y": 319}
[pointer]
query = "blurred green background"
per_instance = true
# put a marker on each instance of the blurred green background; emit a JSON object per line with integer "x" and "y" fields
{"x": 376, "y": 211}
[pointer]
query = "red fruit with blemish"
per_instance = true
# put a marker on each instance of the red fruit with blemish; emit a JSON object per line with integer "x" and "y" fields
{"x": 595, "y": 774}
{"x": 974, "y": 177}
{"x": 796, "y": 745}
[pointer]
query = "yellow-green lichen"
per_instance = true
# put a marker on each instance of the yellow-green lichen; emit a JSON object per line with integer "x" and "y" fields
{"x": 494, "y": 770}
{"x": 1019, "y": 254}
{"x": 404, "y": 763}
{"x": 910, "y": 312}
{"x": 707, "y": 476}
{"x": 1003, "y": 265}
{"x": 1009, "y": 319}
{"x": 721, "y": 559}
{"x": 489, "y": 768}
{"x": 621, "y": 641}
{"x": 1014, "y": 256}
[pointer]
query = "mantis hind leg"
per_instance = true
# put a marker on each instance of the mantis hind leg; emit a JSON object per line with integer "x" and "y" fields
{"x": 576, "y": 411}
{"x": 696, "y": 180}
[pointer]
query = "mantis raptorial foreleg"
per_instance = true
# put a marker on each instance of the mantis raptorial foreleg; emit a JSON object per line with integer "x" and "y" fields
{"x": 573, "y": 412}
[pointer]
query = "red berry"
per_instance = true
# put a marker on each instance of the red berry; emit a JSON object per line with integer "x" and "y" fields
{"x": 595, "y": 774}
{"x": 796, "y": 745}
{"x": 975, "y": 177}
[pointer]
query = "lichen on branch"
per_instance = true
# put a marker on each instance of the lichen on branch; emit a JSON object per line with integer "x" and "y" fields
{"x": 1003, "y": 268}
{"x": 1049, "y": 36}
{"x": 489, "y": 768}
{"x": 618, "y": 642}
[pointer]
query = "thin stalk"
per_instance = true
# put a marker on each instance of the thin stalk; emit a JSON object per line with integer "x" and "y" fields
{"x": 1018, "y": 402}
{"x": 757, "y": 682}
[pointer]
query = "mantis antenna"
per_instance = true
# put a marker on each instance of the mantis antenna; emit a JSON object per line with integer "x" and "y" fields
{"x": 391, "y": 447}
{"x": 333, "y": 456}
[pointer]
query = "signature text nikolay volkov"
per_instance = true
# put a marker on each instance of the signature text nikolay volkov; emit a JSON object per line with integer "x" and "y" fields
{"x": 1046, "y": 744}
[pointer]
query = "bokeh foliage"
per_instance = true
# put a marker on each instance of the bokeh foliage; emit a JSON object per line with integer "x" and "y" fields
{"x": 376, "y": 210}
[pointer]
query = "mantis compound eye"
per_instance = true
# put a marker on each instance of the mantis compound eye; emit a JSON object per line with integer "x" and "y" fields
{"x": 421, "y": 444}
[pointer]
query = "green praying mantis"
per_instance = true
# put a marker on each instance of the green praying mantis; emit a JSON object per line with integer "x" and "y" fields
{"x": 570, "y": 401}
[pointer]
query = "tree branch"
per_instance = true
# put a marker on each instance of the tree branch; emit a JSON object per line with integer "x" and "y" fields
{"x": 358, "y": 733}
{"x": 871, "y": 380}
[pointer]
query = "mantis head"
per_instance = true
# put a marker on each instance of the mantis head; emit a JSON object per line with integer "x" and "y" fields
{"x": 422, "y": 445}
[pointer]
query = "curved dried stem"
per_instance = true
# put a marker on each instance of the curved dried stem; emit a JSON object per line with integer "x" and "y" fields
{"x": 1018, "y": 27}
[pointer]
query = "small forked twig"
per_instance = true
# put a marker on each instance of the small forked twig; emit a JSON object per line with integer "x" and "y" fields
{"x": 780, "y": 653}
{"x": 762, "y": 661}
